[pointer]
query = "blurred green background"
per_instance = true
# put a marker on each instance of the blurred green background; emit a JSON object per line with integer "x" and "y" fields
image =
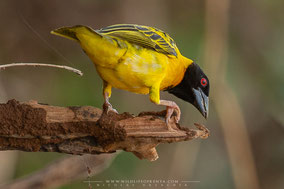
{"x": 238, "y": 43}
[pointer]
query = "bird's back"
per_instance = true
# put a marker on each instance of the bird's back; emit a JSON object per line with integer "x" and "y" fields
{"x": 144, "y": 36}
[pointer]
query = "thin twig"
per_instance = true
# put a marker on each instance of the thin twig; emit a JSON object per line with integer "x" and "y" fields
{"x": 2, "y": 67}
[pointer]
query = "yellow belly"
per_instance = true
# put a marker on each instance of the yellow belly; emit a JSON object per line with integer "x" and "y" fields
{"x": 135, "y": 72}
{"x": 120, "y": 81}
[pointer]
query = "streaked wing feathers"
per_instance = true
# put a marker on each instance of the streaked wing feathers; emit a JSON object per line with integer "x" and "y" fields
{"x": 145, "y": 36}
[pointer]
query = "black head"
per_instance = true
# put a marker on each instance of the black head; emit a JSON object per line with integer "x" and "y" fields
{"x": 194, "y": 88}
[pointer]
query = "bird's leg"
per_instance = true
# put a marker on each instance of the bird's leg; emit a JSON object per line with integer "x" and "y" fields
{"x": 108, "y": 104}
{"x": 107, "y": 94}
{"x": 154, "y": 95}
{"x": 171, "y": 108}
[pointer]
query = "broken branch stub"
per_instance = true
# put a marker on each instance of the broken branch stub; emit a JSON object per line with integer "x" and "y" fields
{"x": 31, "y": 126}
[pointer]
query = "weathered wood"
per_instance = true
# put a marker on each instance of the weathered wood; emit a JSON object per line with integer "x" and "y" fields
{"x": 33, "y": 127}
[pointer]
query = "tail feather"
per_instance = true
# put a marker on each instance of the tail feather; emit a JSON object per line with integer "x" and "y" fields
{"x": 70, "y": 32}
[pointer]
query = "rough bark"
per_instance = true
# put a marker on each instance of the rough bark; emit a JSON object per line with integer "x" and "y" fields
{"x": 34, "y": 127}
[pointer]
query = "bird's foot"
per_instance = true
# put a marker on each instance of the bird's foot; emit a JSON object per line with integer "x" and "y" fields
{"x": 173, "y": 108}
{"x": 107, "y": 107}
{"x": 169, "y": 127}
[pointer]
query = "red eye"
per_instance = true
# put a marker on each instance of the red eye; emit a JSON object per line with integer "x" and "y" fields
{"x": 203, "y": 82}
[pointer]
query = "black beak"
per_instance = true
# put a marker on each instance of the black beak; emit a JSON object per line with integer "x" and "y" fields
{"x": 201, "y": 102}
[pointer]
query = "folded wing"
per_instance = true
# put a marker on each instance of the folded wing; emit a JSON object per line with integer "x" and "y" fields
{"x": 144, "y": 36}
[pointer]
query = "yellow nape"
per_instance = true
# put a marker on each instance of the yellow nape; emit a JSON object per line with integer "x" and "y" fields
{"x": 186, "y": 61}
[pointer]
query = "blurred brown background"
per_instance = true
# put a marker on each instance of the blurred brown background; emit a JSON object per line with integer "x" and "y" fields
{"x": 239, "y": 44}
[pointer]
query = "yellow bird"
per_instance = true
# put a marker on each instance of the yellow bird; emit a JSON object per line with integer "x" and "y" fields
{"x": 142, "y": 60}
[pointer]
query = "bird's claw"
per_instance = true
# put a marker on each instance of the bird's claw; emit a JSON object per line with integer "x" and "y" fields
{"x": 169, "y": 127}
{"x": 108, "y": 107}
{"x": 170, "y": 111}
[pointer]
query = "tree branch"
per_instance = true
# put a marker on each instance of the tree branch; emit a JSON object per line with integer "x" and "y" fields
{"x": 34, "y": 127}
{"x": 63, "y": 171}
